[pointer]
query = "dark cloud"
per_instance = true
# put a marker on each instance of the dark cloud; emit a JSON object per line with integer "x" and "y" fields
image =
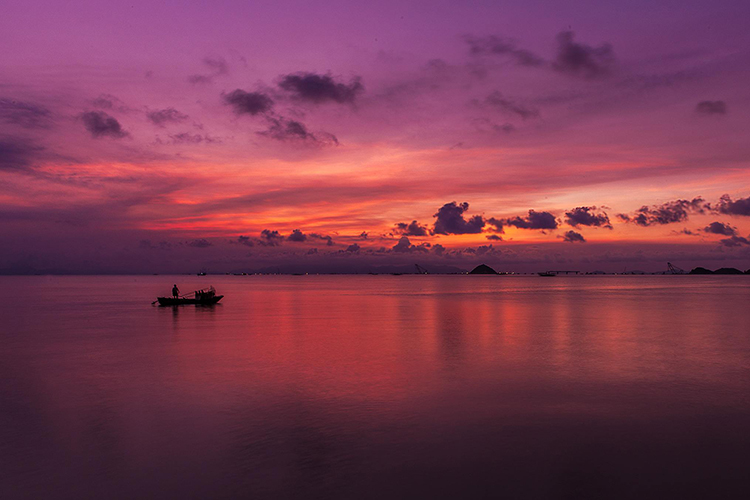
{"x": 297, "y": 236}
{"x": 485, "y": 250}
{"x": 100, "y": 124}
{"x": 165, "y": 116}
{"x": 405, "y": 246}
{"x": 187, "y": 138}
{"x": 284, "y": 129}
{"x": 244, "y": 240}
{"x": 585, "y": 216}
{"x": 720, "y": 228}
{"x": 200, "y": 243}
{"x": 535, "y": 220}
{"x": 414, "y": 228}
{"x": 16, "y": 154}
{"x": 498, "y": 101}
{"x": 582, "y": 60}
{"x": 494, "y": 45}
{"x": 741, "y": 206}
{"x": 735, "y": 241}
{"x": 320, "y": 88}
{"x": 270, "y": 238}
{"x": 494, "y": 237}
{"x": 251, "y": 103}
{"x": 326, "y": 238}
{"x": 711, "y": 108}
{"x": 574, "y": 237}
{"x": 353, "y": 248}
{"x": 108, "y": 101}
{"x": 450, "y": 220}
{"x": 497, "y": 224}
{"x": 24, "y": 114}
{"x": 438, "y": 249}
{"x": 667, "y": 213}
{"x": 363, "y": 235}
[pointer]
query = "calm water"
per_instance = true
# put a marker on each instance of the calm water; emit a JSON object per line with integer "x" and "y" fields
{"x": 376, "y": 387}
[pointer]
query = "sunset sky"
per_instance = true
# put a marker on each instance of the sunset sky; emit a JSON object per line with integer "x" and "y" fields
{"x": 234, "y": 136}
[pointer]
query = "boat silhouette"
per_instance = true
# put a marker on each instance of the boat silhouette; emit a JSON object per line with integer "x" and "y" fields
{"x": 206, "y": 296}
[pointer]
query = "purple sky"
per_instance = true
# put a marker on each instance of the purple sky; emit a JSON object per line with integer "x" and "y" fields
{"x": 168, "y": 136}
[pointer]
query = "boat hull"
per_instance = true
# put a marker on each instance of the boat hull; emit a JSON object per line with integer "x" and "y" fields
{"x": 171, "y": 301}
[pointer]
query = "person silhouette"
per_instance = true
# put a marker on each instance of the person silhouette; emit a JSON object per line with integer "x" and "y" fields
{"x": 175, "y": 291}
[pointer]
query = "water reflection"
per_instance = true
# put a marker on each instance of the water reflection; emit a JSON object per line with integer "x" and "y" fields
{"x": 377, "y": 387}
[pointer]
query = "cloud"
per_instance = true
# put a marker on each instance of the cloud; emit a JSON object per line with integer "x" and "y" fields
{"x": 187, "y": 138}
{"x": 582, "y": 60}
{"x": 505, "y": 128}
{"x": 165, "y": 116}
{"x": 720, "y": 228}
{"x": 251, "y": 103}
{"x": 574, "y": 237}
{"x": 100, "y": 124}
{"x": 498, "y": 101}
{"x": 321, "y": 88}
{"x": 284, "y": 129}
{"x": 585, "y": 216}
{"x": 438, "y": 249}
{"x": 245, "y": 240}
{"x": 711, "y": 108}
{"x": 108, "y": 101}
{"x": 414, "y": 228}
{"x": 326, "y": 238}
{"x": 740, "y": 206}
{"x": 16, "y": 154}
{"x": 735, "y": 241}
{"x": 450, "y": 220}
{"x": 200, "y": 79}
{"x": 200, "y": 243}
{"x": 667, "y": 213}
{"x": 494, "y": 237}
{"x": 297, "y": 236}
{"x": 353, "y": 248}
{"x": 24, "y": 114}
{"x": 405, "y": 246}
{"x": 535, "y": 220}
{"x": 363, "y": 235}
{"x": 270, "y": 238}
{"x": 497, "y": 223}
{"x": 494, "y": 45}
{"x": 217, "y": 65}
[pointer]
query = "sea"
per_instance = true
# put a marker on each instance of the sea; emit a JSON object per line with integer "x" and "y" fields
{"x": 375, "y": 386}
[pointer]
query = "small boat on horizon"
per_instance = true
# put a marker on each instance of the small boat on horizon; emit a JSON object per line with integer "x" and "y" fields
{"x": 204, "y": 297}
{"x": 548, "y": 274}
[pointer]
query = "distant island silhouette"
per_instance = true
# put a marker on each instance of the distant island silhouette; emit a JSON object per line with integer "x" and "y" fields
{"x": 483, "y": 269}
{"x": 723, "y": 270}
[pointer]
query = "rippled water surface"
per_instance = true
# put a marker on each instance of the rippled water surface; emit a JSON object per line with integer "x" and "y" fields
{"x": 376, "y": 387}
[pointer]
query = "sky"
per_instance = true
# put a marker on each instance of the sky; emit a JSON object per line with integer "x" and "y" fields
{"x": 237, "y": 136}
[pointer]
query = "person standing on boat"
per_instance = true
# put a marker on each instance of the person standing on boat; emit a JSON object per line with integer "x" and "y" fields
{"x": 175, "y": 291}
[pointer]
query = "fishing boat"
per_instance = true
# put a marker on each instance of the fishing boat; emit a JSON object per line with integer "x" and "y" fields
{"x": 204, "y": 297}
